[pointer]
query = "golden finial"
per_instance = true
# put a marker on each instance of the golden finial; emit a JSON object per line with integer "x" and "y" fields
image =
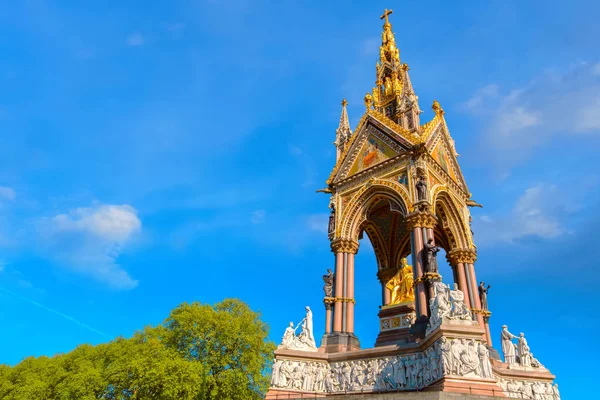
{"x": 386, "y": 12}
{"x": 437, "y": 108}
{"x": 344, "y": 103}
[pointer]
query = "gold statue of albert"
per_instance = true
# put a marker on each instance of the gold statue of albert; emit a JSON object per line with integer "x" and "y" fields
{"x": 401, "y": 285}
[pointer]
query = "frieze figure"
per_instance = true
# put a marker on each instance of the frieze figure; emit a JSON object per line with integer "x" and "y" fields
{"x": 483, "y": 295}
{"x": 431, "y": 250}
{"x": 328, "y": 287}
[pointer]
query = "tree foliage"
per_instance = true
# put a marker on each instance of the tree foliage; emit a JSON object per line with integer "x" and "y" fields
{"x": 199, "y": 352}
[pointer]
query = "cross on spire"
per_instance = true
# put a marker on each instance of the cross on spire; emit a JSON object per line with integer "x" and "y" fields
{"x": 386, "y": 12}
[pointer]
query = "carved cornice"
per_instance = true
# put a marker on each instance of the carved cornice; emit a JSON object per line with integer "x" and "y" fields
{"x": 344, "y": 246}
{"x": 462, "y": 256}
{"x": 421, "y": 219}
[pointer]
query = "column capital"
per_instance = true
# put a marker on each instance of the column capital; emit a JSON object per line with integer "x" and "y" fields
{"x": 457, "y": 256}
{"x": 344, "y": 246}
{"x": 421, "y": 219}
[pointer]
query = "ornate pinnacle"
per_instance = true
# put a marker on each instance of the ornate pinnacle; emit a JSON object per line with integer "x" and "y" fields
{"x": 368, "y": 101}
{"x": 437, "y": 108}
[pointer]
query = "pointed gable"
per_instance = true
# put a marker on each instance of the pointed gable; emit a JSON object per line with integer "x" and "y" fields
{"x": 372, "y": 143}
{"x": 372, "y": 152}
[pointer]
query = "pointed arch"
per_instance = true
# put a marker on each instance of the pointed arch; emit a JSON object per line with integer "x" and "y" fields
{"x": 357, "y": 210}
{"x": 453, "y": 233}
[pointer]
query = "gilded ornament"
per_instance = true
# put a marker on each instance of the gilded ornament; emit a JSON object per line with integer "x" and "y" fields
{"x": 396, "y": 84}
{"x": 368, "y": 101}
{"x": 437, "y": 108}
{"x": 376, "y": 98}
{"x": 401, "y": 285}
{"x": 388, "y": 86}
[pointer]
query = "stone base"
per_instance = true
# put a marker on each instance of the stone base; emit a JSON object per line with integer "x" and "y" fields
{"x": 395, "y": 322}
{"x": 338, "y": 342}
{"x": 419, "y": 327}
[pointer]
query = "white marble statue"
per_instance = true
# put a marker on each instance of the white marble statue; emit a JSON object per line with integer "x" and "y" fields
{"x": 524, "y": 351}
{"x": 510, "y": 356}
{"x": 439, "y": 305}
{"x": 305, "y": 340}
{"x": 459, "y": 308}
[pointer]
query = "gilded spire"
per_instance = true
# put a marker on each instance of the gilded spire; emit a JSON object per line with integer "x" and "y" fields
{"x": 388, "y": 52}
{"x": 343, "y": 132}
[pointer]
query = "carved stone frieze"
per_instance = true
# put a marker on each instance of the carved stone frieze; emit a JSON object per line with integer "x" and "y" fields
{"x": 528, "y": 389}
{"x": 445, "y": 357}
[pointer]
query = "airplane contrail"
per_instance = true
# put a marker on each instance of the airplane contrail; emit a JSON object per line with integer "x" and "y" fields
{"x": 65, "y": 316}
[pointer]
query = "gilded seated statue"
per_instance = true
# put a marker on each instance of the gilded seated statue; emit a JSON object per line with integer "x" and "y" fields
{"x": 401, "y": 285}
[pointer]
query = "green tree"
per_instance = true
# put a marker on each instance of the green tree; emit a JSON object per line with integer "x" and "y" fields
{"x": 200, "y": 352}
{"x": 230, "y": 340}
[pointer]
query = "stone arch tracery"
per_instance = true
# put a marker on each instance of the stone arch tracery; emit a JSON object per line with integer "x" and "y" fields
{"x": 454, "y": 231}
{"x": 356, "y": 213}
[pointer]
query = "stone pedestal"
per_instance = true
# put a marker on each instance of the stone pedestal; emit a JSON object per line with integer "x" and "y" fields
{"x": 394, "y": 323}
{"x": 338, "y": 342}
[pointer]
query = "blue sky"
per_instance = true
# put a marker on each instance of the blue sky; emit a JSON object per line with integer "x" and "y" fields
{"x": 157, "y": 152}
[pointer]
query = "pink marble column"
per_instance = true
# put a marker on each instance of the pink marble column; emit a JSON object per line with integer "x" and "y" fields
{"x": 462, "y": 282}
{"x": 339, "y": 284}
{"x": 476, "y": 299}
{"x": 418, "y": 272}
{"x": 328, "y": 319}
{"x": 350, "y": 294}
{"x": 387, "y": 295}
{"x": 430, "y": 236}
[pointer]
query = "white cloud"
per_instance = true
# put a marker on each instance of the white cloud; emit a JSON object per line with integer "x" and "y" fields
{"x": 318, "y": 222}
{"x": 482, "y": 95}
{"x": 532, "y": 213}
{"x": 89, "y": 240}
{"x": 538, "y": 212}
{"x": 258, "y": 216}
{"x": 552, "y": 106}
{"x": 135, "y": 39}
{"x": 7, "y": 193}
{"x": 109, "y": 222}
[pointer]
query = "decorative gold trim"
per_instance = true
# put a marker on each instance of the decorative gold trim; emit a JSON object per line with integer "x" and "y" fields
{"x": 344, "y": 300}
